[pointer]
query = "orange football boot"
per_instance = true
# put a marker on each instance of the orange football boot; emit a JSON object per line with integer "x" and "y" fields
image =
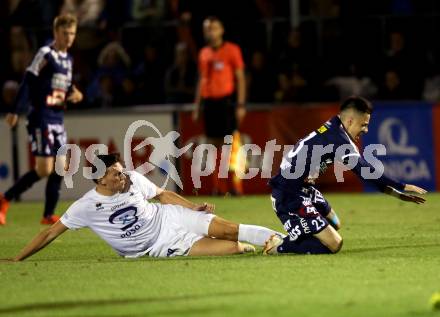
{"x": 4, "y": 206}
{"x": 50, "y": 220}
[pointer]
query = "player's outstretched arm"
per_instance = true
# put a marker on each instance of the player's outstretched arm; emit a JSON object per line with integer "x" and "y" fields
{"x": 169, "y": 197}
{"x": 407, "y": 196}
{"x": 41, "y": 240}
{"x": 390, "y": 186}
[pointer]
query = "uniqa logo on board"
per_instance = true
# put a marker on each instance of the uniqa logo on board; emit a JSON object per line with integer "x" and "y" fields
{"x": 394, "y": 134}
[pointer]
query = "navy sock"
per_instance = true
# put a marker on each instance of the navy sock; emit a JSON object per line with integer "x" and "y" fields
{"x": 24, "y": 183}
{"x": 310, "y": 245}
{"x": 52, "y": 193}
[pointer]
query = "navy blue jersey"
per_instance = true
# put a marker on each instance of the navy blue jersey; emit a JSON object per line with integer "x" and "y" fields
{"x": 312, "y": 155}
{"x": 47, "y": 82}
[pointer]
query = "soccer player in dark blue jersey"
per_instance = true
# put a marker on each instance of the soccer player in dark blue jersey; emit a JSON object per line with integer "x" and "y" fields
{"x": 302, "y": 209}
{"x": 47, "y": 87}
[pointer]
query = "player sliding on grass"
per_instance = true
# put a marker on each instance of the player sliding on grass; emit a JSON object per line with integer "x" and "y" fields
{"x": 117, "y": 210}
{"x": 302, "y": 209}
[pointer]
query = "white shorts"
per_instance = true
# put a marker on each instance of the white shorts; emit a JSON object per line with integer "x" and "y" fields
{"x": 180, "y": 229}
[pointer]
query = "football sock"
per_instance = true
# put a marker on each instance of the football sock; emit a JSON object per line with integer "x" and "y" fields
{"x": 310, "y": 245}
{"x": 256, "y": 235}
{"x": 235, "y": 183}
{"x": 52, "y": 193}
{"x": 334, "y": 221}
{"x": 24, "y": 183}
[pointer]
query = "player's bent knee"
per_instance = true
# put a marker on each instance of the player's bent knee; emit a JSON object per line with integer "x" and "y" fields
{"x": 44, "y": 166}
{"x": 43, "y": 171}
{"x": 230, "y": 232}
{"x": 336, "y": 246}
{"x": 335, "y": 243}
{"x": 331, "y": 239}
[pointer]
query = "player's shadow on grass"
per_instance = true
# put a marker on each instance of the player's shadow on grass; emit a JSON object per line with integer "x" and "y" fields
{"x": 52, "y": 306}
{"x": 391, "y": 247}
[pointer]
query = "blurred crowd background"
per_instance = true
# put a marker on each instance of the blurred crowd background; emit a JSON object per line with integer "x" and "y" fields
{"x": 138, "y": 52}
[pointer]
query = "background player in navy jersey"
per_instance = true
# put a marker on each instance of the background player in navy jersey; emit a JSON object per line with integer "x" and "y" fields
{"x": 302, "y": 209}
{"x": 47, "y": 87}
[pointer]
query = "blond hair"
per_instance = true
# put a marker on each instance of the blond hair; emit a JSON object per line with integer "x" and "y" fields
{"x": 65, "y": 20}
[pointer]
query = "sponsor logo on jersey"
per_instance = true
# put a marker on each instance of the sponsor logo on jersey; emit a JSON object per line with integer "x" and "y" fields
{"x": 125, "y": 217}
{"x": 171, "y": 252}
{"x": 294, "y": 233}
{"x": 119, "y": 205}
{"x": 322, "y": 129}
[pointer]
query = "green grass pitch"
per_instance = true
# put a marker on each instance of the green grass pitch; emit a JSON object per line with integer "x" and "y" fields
{"x": 389, "y": 266}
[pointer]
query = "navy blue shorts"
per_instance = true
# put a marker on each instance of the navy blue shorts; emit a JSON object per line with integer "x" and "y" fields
{"x": 46, "y": 138}
{"x": 302, "y": 214}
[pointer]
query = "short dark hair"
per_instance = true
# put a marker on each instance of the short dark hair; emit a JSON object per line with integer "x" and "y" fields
{"x": 108, "y": 160}
{"x": 357, "y": 103}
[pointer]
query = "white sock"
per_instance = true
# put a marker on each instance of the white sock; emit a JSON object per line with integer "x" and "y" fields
{"x": 255, "y": 235}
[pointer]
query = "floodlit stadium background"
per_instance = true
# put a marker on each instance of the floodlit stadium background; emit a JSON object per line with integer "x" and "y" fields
{"x": 302, "y": 58}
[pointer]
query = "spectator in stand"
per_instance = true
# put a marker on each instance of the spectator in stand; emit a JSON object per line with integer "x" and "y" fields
{"x": 145, "y": 11}
{"x": 180, "y": 78}
{"x": 283, "y": 92}
{"x": 20, "y": 53}
{"x": 104, "y": 95}
{"x": 87, "y": 12}
{"x": 149, "y": 76}
{"x": 353, "y": 83}
{"x": 115, "y": 61}
{"x": 260, "y": 79}
{"x": 114, "y": 14}
{"x": 113, "y": 67}
{"x": 391, "y": 88}
{"x": 411, "y": 65}
{"x": 295, "y": 53}
{"x": 184, "y": 34}
{"x": 293, "y": 87}
{"x": 127, "y": 95}
{"x": 9, "y": 93}
{"x": 431, "y": 88}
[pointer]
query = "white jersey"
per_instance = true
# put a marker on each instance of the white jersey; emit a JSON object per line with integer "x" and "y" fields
{"x": 126, "y": 221}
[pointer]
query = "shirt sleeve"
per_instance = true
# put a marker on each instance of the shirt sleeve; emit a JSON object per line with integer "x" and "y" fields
{"x": 22, "y": 100}
{"x": 148, "y": 188}
{"x": 39, "y": 61}
{"x": 75, "y": 217}
{"x": 381, "y": 182}
{"x": 236, "y": 57}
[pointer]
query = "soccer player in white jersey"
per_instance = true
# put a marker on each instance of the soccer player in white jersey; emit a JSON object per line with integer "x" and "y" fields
{"x": 117, "y": 210}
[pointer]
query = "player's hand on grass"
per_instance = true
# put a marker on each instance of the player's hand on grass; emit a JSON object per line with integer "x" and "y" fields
{"x": 11, "y": 119}
{"x": 75, "y": 96}
{"x": 414, "y": 189}
{"x": 205, "y": 207}
{"x": 407, "y": 196}
{"x": 412, "y": 198}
